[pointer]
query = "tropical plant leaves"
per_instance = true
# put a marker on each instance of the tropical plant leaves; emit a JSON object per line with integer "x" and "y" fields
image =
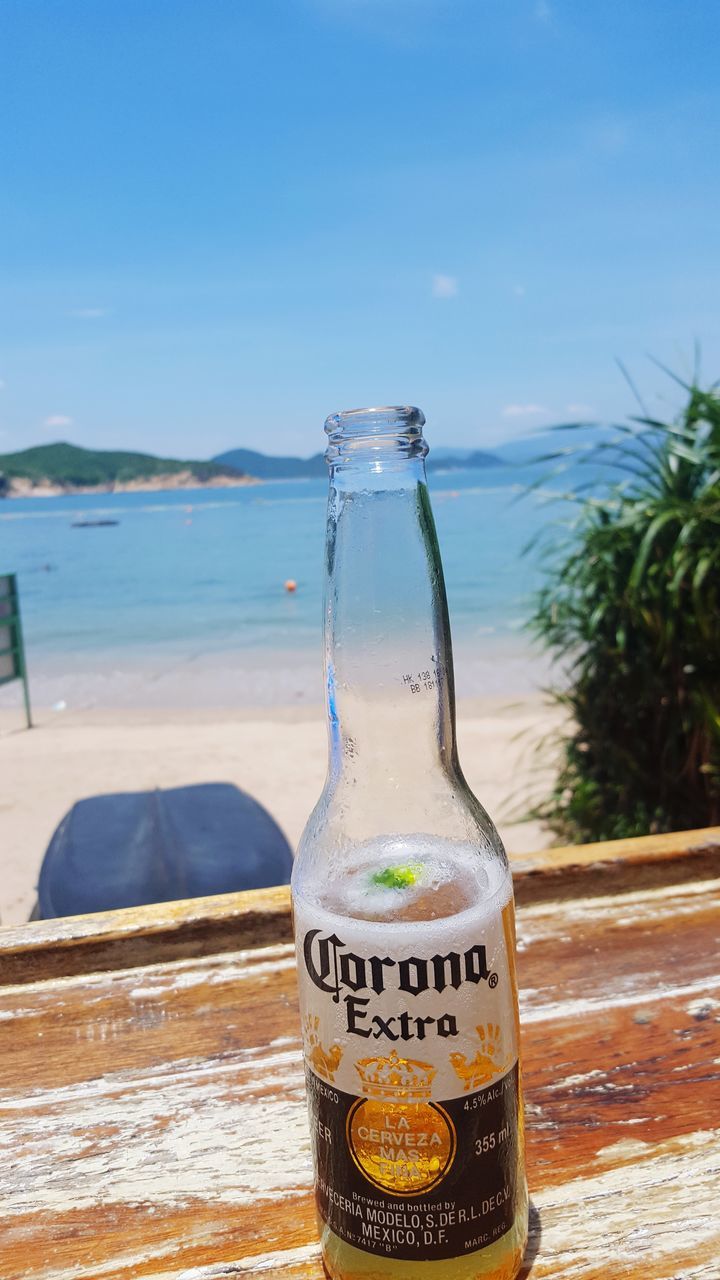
{"x": 631, "y": 603}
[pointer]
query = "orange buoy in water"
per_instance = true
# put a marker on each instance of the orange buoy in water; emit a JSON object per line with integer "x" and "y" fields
{"x": 291, "y": 585}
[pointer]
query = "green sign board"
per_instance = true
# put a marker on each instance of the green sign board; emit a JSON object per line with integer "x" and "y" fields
{"x": 12, "y": 652}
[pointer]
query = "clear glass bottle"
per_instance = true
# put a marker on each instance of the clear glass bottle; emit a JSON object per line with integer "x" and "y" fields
{"x": 403, "y": 908}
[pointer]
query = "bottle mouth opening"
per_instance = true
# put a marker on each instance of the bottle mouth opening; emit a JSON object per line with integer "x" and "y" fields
{"x": 389, "y": 420}
{"x": 379, "y": 438}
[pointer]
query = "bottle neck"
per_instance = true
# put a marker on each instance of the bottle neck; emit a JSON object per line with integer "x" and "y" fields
{"x": 389, "y": 673}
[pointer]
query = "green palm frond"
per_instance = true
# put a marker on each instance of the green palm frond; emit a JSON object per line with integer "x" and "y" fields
{"x": 631, "y": 607}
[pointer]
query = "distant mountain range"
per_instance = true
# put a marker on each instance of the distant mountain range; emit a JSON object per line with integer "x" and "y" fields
{"x": 266, "y": 466}
{"x": 269, "y": 467}
{"x": 455, "y": 459}
{"x": 66, "y": 468}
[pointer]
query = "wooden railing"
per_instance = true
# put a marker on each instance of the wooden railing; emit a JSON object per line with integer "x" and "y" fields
{"x": 200, "y": 926}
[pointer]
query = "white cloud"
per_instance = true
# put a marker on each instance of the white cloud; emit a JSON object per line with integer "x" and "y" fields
{"x": 579, "y": 408}
{"x": 57, "y": 420}
{"x": 522, "y": 410}
{"x": 444, "y": 286}
{"x": 88, "y": 313}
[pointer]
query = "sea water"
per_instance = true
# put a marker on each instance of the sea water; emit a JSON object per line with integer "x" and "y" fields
{"x": 197, "y": 575}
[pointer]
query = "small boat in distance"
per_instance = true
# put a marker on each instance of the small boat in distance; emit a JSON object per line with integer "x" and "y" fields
{"x": 92, "y": 524}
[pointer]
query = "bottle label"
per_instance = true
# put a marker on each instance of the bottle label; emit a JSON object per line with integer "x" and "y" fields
{"x": 411, "y": 1050}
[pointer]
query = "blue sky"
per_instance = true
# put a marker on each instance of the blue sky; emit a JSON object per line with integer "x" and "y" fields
{"x": 221, "y": 220}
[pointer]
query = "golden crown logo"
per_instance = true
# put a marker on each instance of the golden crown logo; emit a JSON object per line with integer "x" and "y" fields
{"x": 324, "y": 1061}
{"x": 395, "y": 1077}
{"x": 486, "y": 1065}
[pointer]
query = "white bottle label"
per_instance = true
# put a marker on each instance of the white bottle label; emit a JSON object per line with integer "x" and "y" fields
{"x": 411, "y": 1047}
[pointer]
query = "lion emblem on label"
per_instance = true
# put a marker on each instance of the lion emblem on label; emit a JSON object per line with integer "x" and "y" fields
{"x": 324, "y": 1062}
{"x": 488, "y": 1062}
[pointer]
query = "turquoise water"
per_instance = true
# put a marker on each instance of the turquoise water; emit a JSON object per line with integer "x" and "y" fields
{"x": 183, "y": 601}
{"x": 208, "y": 567}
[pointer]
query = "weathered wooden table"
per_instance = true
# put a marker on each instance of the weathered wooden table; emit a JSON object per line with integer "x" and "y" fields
{"x": 152, "y": 1118}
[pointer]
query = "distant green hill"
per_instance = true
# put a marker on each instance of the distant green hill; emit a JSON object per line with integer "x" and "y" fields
{"x": 459, "y": 459}
{"x": 267, "y": 467}
{"x": 68, "y": 466}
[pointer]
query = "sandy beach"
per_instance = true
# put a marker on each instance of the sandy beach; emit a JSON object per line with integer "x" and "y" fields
{"x": 277, "y": 754}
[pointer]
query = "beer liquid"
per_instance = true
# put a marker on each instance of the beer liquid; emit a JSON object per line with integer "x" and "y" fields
{"x": 410, "y": 1034}
{"x": 403, "y": 909}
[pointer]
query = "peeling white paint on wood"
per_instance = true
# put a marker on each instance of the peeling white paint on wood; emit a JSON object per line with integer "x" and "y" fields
{"x": 165, "y": 1148}
{"x": 539, "y": 921}
{"x": 642, "y": 1209}
{"x": 229, "y": 966}
{"x": 594, "y": 1004}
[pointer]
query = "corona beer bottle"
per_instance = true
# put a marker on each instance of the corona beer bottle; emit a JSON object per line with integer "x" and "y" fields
{"x": 403, "y": 908}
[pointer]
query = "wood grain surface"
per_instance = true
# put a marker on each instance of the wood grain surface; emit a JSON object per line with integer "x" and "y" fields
{"x": 152, "y": 1113}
